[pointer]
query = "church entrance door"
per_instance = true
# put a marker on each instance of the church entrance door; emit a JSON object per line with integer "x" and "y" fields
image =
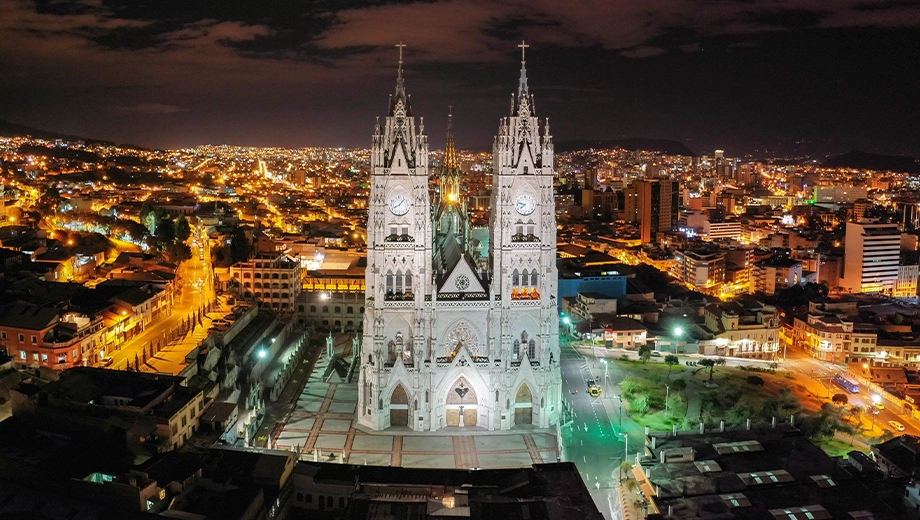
{"x": 399, "y": 407}
{"x": 462, "y": 404}
{"x": 523, "y": 406}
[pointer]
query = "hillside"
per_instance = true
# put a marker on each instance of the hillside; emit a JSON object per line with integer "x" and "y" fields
{"x": 873, "y": 161}
{"x": 664, "y": 146}
{"x": 8, "y": 129}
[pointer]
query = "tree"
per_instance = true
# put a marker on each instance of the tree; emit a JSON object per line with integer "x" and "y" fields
{"x": 629, "y": 387}
{"x": 840, "y": 399}
{"x": 679, "y": 385}
{"x": 645, "y": 353}
{"x": 670, "y": 360}
{"x": 179, "y": 252}
{"x": 755, "y": 380}
{"x": 240, "y": 246}
{"x": 710, "y": 364}
{"x": 165, "y": 232}
{"x": 639, "y": 404}
{"x": 183, "y": 229}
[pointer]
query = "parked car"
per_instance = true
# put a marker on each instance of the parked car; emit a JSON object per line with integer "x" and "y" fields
{"x": 107, "y": 362}
{"x": 896, "y": 425}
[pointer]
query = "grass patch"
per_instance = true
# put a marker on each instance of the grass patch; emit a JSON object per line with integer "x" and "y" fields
{"x": 838, "y": 448}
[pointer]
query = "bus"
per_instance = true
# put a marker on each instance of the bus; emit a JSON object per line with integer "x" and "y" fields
{"x": 846, "y": 383}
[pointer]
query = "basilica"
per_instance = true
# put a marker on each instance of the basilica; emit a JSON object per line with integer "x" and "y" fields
{"x": 461, "y": 327}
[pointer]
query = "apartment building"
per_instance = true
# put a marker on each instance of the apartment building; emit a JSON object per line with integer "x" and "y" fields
{"x": 775, "y": 273}
{"x": 873, "y": 253}
{"x": 699, "y": 268}
{"x": 273, "y": 279}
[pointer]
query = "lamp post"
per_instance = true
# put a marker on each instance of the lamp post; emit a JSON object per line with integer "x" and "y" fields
{"x": 625, "y": 450}
{"x": 621, "y": 409}
{"x": 667, "y": 393}
{"x": 876, "y": 399}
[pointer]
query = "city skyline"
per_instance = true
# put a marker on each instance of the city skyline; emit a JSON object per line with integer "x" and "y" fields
{"x": 772, "y": 78}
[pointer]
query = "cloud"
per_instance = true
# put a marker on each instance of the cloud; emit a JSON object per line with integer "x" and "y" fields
{"x": 150, "y": 109}
{"x": 643, "y": 51}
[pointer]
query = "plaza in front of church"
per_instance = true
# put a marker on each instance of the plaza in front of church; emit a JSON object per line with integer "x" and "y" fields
{"x": 321, "y": 427}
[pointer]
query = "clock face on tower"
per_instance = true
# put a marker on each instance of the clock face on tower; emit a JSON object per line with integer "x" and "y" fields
{"x": 399, "y": 205}
{"x": 525, "y": 204}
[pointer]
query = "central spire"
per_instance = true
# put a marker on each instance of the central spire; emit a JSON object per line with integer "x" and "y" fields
{"x": 450, "y": 151}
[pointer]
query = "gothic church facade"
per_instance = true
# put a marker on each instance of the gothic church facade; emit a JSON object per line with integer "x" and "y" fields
{"x": 458, "y": 333}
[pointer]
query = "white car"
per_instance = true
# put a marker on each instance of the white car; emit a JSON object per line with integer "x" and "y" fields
{"x": 896, "y": 425}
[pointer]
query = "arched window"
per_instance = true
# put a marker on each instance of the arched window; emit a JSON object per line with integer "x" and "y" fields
{"x": 258, "y": 285}
{"x": 257, "y": 275}
{"x": 533, "y": 278}
{"x": 338, "y": 309}
{"x": 525, "y": 278}
{"x": 275, "y": 276}
{"x": 284, "y": 295}
{"x": 408, "y": 280}
{"x": 516, "y": 349}
{"x": 531, "y": 349}
{"x": 325, "y": 308}
{"x": 399, "y": 282}
{"x": 247, "y": 284}
{"x": 300, "y": 308}
{"x": 351, "y": 310}
{"x": 341, "y": 502}
{"x": 515, "y": 278}
{"x": 247, "y": 275}
{"x": 389, "y": 282}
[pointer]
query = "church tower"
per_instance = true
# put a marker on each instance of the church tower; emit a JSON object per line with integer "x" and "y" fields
{"x": 523, "y": 239}
{"x": 399, "y": 253}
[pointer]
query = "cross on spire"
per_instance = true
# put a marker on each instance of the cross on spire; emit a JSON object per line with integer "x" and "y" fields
{"x": 523, "y": 47}
{"x": 401, "y": 46}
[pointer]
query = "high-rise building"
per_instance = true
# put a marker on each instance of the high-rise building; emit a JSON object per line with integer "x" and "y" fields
{"x": 654, "y": 204}
{"x": 871, "y": 259}
{"x": 449, "y": 339}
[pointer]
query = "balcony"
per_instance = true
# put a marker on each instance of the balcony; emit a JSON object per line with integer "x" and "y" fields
{"x": 521, "y": 237}
{"x": 525, "y": 293}
{"x": 399, "y": 296}
{"x": 399, "y": 238}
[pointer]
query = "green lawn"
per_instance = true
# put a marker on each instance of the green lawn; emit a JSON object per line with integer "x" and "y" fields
{"x": 838, "y": 448}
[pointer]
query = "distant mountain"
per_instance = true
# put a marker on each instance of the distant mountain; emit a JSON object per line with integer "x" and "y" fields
{"x": 874, "y": 161}
{"x": 8, "y": 129}
{"x": 658, "y": 145}
{"x": 60, "y": 153}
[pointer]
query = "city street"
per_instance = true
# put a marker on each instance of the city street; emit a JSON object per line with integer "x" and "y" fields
{"x": 195, "y": 291}
{"x": 591, "y": 440}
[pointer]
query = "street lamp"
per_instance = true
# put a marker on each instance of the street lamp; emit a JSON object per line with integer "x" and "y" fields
{"x": 667, "y": 392}
{"x": 625, "y": 450}
{"x": 605, "y": 373}
{"x": 619, "y": 398}
{"x": 876, "y": 399}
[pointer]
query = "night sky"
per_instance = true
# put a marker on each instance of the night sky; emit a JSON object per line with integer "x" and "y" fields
{"x": 816, "y": 76}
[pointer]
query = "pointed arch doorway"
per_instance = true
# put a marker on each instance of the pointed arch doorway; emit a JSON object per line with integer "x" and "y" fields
{"x": 462, "y": 404}
{"x": 399, "y": 407}
{"x": 523, "y": 406}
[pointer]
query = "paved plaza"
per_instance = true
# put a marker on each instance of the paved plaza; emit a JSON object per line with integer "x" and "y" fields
{"x": 321, "y": 427}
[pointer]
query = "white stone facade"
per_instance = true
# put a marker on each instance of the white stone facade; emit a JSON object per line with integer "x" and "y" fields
{"x": 447, "y": 342}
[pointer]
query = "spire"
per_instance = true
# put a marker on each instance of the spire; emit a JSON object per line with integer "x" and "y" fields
{"x": 400, "y": 86}
{"x": 522, "y": 107}
{"x": 450, "y": 151}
